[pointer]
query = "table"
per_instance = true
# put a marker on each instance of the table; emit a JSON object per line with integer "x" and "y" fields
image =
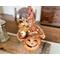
{"x": 16, "y": 47}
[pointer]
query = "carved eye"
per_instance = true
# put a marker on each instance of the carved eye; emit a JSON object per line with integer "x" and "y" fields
{"x": 26, "y": 21}
{"x": 29, "y": 40}
{"x": 20, "y": 21}
{"x": 27, "y": 26}
{"x": 23, "y": 25}
{"x": 35, "y": 40}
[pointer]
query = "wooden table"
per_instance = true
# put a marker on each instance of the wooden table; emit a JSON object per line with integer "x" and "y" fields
{"x": 16, "y": 47}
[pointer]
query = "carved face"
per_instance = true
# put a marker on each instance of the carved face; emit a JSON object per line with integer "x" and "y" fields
{"x": 22, "y": 24}
{"x": 32, "y": 43}
{"x": 23, "y": 29}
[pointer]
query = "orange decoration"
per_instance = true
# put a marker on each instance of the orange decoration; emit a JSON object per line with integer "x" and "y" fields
{"x": 30, "y": 33}
{"x": 32, "y": 43}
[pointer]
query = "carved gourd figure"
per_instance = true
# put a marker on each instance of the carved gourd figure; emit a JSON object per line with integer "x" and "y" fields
{"x": 30, "y": 33}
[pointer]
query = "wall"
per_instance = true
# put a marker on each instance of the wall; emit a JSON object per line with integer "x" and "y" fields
{"x": 10, "y": 10}
{"x": 1, "y": 9}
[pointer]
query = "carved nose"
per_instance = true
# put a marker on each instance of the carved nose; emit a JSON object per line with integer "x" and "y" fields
{"x": 31, "y": 43}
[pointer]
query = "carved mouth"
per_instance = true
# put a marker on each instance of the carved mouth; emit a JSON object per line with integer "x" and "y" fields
{"x": 31, "y": 46}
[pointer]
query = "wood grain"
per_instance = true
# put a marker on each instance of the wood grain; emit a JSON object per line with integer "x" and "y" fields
{"x": 16, "y": 47}
{"x": 52, "y": 33}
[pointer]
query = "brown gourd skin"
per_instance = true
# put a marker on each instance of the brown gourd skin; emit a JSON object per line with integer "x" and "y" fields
{"x": 32, "y": 24}
{"x": 35, "y": 33}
